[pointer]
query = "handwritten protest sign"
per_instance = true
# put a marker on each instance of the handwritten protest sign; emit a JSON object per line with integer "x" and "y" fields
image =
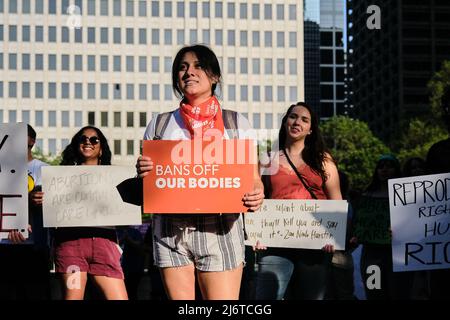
{"x": 372, "y": 220}
{"x": 13, "y": 179}
{"x": 198, "y": 176}
{"x": 420, "y": 222}
{"x": 308, "y": 224}
{"x": 86, "y": 196}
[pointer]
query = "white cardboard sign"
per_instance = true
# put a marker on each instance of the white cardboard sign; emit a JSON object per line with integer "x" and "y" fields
{"x": 86, "y": 196}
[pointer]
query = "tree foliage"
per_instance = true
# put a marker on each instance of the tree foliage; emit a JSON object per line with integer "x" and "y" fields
{"x": 51, "y": 160}
{"x": 437, "y": 85}
{"x": 418, "y": 139}
{"x": 354, "y": 147}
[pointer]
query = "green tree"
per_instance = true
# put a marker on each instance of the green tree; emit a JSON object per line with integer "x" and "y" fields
{"x": 418, "y": 139}
{"x": 51, "y": 160}
{"x": 437, "y": 85}
{"x": 354, "y": 147}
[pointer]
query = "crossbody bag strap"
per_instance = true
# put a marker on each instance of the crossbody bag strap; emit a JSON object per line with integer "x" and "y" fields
{"x": 300, "y": 176}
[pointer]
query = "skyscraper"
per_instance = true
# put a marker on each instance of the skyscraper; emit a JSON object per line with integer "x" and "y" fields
{"x": 390, "y": 67}
{"x": 66, "y": 64}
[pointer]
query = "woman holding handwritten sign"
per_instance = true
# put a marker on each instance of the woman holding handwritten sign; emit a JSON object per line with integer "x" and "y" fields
{"x": 80, "y": 251}
{"x": 209, "y": 246}
{"x": 305, "y": 171}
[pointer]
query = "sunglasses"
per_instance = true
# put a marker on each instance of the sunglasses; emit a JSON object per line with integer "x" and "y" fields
{"x": 93, "y": 140}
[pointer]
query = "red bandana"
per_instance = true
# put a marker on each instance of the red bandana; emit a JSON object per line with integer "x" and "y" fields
{"x": 199, "y": 119}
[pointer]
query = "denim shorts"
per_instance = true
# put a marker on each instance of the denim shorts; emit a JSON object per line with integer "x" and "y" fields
{"x": 210, "y": 242}
{"x": 96, "y": 256}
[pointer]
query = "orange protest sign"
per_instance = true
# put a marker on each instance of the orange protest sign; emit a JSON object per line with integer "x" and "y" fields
{"x": 198, "y": 176}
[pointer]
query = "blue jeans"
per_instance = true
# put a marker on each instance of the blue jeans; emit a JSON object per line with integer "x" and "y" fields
{"x": 291, "y": 273}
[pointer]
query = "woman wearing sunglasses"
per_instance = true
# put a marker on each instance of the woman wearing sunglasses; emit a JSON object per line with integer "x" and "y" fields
{"x": 79, "y": 251}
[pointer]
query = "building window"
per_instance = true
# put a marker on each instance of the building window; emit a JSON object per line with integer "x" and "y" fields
{"x": 65, "y": 119}
{"x": 180, "y": 9}
{"x": 155, "y": 36}
{"x": 117, "y": 149}
{"x": 65, "y": 91}
{"x": 256, "y": 66}
{"x": 103, "y": 63}
{"x": 78, "y": 118}
{"x": 91, "y": 90}
{"x": 39, "y": 6}
{"x": 78, "y": 63}
{"x": 292, "y": 12}
{"x": 117, "y": 119}
{"x": 117, "y": 63}
{"x": 130, "y": 8}
{"x": 193, "y": 36}
{"x": 268, "y": 38}
{"x": 142, "y": 36}
{"x": 12, "y": 61}
{"x": 180, "y": 37}
{"x": 269, "y": 120}
{"x": 78, "y": 36}
{"x": 293, "y": 93}
{"x": 268, "y": 66}
{"x": 103, "y": 35}
{"x": 26, "y": 33}
{"x": 281, "y": 94}
{"x": 52, "y": 90}
{"x": 142, "y": 91}
{"x": 167, "y": 92}
{"x": 244, "y": 38}
{"x": 206, "y": 36}
{"x": 257, "y": 121}
{"x": 129, "y": 63}
{"x": 155, "y": 91}
{"x": 143, "y": 8}
{"x": 167, "y": 9}
{"x": 130, "y": 119}
{"x": 231, "y": 38}
{"x": 142, "y": 119}
{"x": 130, "y": 91}
{"x": 12, "y": 89}
{"x": 12, "y": 33}
{"x": 91, "y": 62}
{"x": 268, "y": 93}
{"x": 130, "y": 147}
{"x": 117, "y": 10}
{"x": 116, "y": 36}
{"x": 293, "y": 39}
{"x": 193, "y": 9}
{"x": 155, "y": 8}
{"x": 255, "y": 38}
{"x": 244, "y": 65}
{"x": 167, "y": 64}
{"x": 39, "y": 90}
{"x": 129, "y": 35}
{"x": 91, "y": 8}
{"x": 243, "y": 10}
{"x": 104, "y": 7}
{"x": 167, "y": 36}
{"x": 91, "y": 35}
{"x": 52, "y": 118}
{"x": 206, "y": 9}
{"x": 142, "y": 64}
{"x": 78, "y": 90}
{"x": 280, "y": 39}
{"x": 232, "y": 65}
{"x": 104, "y": 91}
{"x": 64, "y": 143}
{"x": 52, "y": 146}
{"x": 293, "y": 66}
{"x": 280, "y": 66}
{"x": 117, "y": 95}
{"x": 65, "y": 37}
{"x": 155, "y": 64}
{"x": 244, "y": 93}
{"x": 280, "y": 11}
{"x": 255, "y": 11}
{"x": 219, "y": 37}
{"x": 256, "y": 93}
{"x": 267, "y": 11}
{"x": 218, "y": 9}
{"x": 231, "y": 10}
{"x": 65, "y": 62}
{"x": 52, "y": 6}
{"x": 231, "y": 92}
{"x": 39, "y": 118}
{"x": 91, "y": 118}
{"x": 25, "y": 90}
{"x": 25, "y": 116}
{"x": 39, "y": 34}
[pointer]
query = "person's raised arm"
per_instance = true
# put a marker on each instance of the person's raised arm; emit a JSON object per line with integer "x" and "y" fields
{"x": 332, "y": 186}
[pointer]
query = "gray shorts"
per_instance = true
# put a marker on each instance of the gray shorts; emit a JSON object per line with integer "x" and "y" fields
{"x": 210, "y": 242}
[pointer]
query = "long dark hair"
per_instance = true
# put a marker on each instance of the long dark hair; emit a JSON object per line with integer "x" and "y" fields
{"x": 71, "y": 154}
{"x": 314, "y": 152}
{"x": 208, "y": 61}
{"x": 375, "y": 183}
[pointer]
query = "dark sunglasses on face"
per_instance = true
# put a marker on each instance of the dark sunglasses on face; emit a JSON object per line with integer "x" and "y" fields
{"x": 93, "y": 140}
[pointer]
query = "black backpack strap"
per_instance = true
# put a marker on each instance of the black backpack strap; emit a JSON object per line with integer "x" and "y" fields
{"x": 230, "y": 122}
{"x": 162, "y": 120}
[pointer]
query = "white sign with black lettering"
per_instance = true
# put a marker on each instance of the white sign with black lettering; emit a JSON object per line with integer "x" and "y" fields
{"x": 77, "y": 196}
{"x": 13, "y": 179}
{"x": 420, "y": 222}
{"x": 308, "y": 224}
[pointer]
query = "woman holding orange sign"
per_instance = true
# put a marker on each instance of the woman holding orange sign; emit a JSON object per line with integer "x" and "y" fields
{"x": 207, "y": 246}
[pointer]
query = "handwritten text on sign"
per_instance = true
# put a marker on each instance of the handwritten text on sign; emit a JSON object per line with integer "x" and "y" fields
{"x": 420, "y": 222}
{"x": 13, "y": 179}
{"x": 197, "y": 176}
{"x": 86, "y": 196}
{"x": 308, "y": 224}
